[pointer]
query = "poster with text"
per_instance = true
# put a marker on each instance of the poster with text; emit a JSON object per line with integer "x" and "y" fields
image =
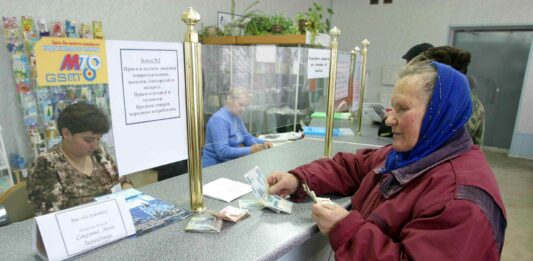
{"x": 343, "y": 75}
{"x": 147, "y": 96}
{"x": 318, "y": 63}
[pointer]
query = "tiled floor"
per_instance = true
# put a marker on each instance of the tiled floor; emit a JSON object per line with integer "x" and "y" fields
{"x": 515, "y": 178}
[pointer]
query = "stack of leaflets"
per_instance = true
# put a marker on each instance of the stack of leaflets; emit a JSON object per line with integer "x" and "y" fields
{"x": 260, "y": 189}
{"x": 204, "y": 222}
{"x": 230, "y": 213}
{"x": 148, "y": 212}
{"x": 315, "y": 198}
{"x": 321, "y": 131}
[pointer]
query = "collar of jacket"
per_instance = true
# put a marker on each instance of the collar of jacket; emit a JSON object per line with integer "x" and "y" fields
{"x": 397, "y": 179}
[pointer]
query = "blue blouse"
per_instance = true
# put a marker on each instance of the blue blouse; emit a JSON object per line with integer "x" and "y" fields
{"x": 225, "y": 132}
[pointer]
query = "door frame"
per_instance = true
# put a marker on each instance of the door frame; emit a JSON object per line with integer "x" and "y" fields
{"x": 467, "y": 28}
{"x": 488, "y": 28}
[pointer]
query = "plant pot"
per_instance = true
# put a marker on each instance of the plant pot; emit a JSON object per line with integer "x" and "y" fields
{"x": 236, "y": 30}
{"x": 301, "y": 25}
{"x": 276, "y": 29}
{"x": 211, "y": 31}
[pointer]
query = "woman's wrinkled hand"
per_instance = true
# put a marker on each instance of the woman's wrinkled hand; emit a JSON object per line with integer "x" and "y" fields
{"x": 282, "y": 183}
{"x": 327, "y": 216}
{"x": 257, "y": 148}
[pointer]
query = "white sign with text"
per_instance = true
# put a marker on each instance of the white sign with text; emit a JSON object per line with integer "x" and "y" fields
{"x": 357, "y": 81}
{"x": 318, "y": 63}
{"x": 343, "y": 75}
{"x": 70, "y": 232}
{"x": 147, "y": 98}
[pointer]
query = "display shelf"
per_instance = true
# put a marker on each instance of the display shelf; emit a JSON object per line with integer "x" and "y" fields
{"x": 219, "y": 40}
{"x": 290, "y": 39}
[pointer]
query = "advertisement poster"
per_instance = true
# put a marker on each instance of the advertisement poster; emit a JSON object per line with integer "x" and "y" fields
{"x": 70, "y": 61}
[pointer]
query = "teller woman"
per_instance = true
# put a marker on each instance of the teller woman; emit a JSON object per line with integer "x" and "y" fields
{"x": 78, "y": 169}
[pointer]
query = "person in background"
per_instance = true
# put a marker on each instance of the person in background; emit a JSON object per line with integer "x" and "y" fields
{"x": 78, "y": 169}
{"x": 460, "y": 59}
{"x": 384, "y": 130}
{"x": 226, "y": 136}
{"x": 415, "y": 51}
{"x": 431, "y": 195}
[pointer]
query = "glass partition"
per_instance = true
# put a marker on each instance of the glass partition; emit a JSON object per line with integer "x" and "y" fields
{"x": 280, "y": 97}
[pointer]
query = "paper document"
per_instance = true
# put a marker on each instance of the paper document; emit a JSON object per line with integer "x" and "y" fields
{"x": 226, "y": 189}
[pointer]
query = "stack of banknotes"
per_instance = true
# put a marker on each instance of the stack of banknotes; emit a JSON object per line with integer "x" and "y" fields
{"x": 204, "y": 222}
{"x": 260, "y": 189}
{"x": 313, "y": 196}
{"x": 230, "y": 213}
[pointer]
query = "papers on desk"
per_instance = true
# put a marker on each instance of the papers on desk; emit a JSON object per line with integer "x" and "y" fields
{"x": 226, "y": 189}
{"x": 281, "y": 138}
{"x": 148, "y": 212}
{"x": 321, "y": 131}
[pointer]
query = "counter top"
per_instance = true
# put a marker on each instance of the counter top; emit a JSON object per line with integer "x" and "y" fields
{"x": 265, "y": 235}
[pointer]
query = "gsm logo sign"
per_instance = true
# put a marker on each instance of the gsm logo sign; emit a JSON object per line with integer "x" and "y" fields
{"x": 75, "y": 66}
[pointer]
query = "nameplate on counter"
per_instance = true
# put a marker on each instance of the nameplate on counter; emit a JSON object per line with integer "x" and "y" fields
{"x": 70, "y": 232}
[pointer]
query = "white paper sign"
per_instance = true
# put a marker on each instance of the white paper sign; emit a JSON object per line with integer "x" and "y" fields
{"x": 318, "y": 63}
{"x": 76, "y": 230}
{"x": 265, "y": 53}
{"x": 147, "y": 98}
{"x": 343, "y": 75}
{"x": 357, "y": 81}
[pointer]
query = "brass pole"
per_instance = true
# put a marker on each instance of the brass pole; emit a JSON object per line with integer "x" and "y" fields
{"x": 365, "y": 43}
{"x": 351, "y": 78}
{"x": 195, "y": 112}
{"x": 334, "y": 45}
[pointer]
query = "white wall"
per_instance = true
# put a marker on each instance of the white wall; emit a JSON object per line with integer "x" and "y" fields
{"x": 144, "y": 20}
{"x": 393, "y": 28}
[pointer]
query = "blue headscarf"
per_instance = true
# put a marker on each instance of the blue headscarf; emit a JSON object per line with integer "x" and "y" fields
{"x": 447, "y": 112}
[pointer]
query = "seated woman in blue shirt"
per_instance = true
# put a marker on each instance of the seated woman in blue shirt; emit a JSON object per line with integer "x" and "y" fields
{"x": 226, "y": 136}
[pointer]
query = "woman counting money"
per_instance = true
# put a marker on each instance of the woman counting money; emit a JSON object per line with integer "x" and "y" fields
{"x": 431, "y": 195}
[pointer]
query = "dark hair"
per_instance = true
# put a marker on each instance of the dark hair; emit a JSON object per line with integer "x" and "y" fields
{"x": 457, "y": 58}
{"x": 416, "y": 50}
{"x": 82, "y": 117}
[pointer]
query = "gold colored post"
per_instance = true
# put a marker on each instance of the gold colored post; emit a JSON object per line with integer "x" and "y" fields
{"x": 195, "y": 112}
{"x": 365, "y": 43}
{"x": 334, "y": 45}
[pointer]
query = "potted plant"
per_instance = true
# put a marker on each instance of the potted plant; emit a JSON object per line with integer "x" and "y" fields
{"x": 314, "y": 23}
{"x": 301, "y": 18}
{"x": 280, "y": 24}
{"x": 236, "y": 25}
{"x": 259, "y": 24}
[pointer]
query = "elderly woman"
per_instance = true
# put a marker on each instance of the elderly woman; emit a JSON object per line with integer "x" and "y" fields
{"x": 78, "y": 169}
{"x": 226, "y": 136}
{"x": 429, "y": 196}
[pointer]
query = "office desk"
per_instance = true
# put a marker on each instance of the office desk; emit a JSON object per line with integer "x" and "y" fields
{"x": 369, "y": 132}
{"x": 265, "y": 235}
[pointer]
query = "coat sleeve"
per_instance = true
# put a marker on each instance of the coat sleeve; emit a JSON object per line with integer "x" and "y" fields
{"x": 340, "y": 175}
{"x": 44, "y": 188}
{"x": 219, "y": 131}
{"x": 457, "y": 230}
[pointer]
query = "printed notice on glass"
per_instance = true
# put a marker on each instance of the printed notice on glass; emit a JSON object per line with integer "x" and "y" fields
{"x": 147, "y": 99}
{"x": 343, "y": 75}
{"x": 318, "y": 63}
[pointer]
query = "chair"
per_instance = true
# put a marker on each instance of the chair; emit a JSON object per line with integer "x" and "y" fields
{"x": 16, "y": 202}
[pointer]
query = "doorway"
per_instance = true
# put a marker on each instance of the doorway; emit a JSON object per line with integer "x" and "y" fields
{"x": 499, "y": 60}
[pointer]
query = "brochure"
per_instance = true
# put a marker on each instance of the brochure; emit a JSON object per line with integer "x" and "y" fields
{"x": 148, "y": 212}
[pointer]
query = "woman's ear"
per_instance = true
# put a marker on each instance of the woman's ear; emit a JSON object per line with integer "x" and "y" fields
{"x": 65, "y": 133}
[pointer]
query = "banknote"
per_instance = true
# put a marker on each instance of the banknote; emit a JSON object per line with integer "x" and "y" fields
{"x": 204, "y": 222}
{"x": 250, "y": 204}
{"x": 259, "y": 186}
{"x": 313, "y": 196}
